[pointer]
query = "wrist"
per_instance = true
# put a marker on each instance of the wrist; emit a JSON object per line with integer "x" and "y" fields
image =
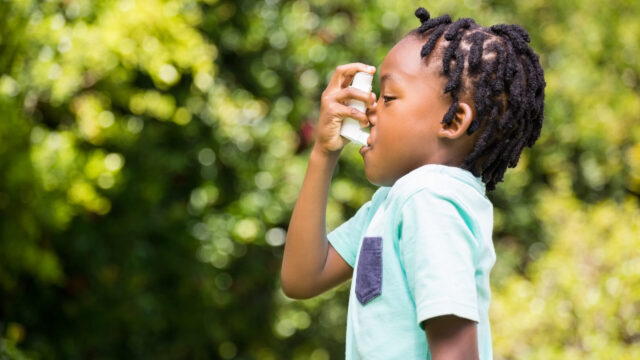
{"x": 319, "y": 152}
{"x": 323, "y": 160}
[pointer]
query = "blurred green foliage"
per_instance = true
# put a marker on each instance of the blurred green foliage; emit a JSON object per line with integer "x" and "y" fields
{"x": 151, "y": 152}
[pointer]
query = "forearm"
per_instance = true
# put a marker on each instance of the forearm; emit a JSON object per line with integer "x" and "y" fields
{"x": 306, "y": 248}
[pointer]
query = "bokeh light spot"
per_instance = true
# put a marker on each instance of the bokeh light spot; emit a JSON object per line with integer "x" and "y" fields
{"x": 276, "y": 236}
{"x": 114, "y": 161}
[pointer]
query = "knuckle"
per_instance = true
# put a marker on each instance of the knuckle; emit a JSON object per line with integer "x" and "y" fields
{"x": 350, "y": 91}
{"x": 327, "y": 98}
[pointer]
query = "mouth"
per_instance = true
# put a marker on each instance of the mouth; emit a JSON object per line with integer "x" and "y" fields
{"x": 364, "y": 150}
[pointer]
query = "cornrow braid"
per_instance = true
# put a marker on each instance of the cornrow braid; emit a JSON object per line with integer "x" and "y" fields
{"x": 496, "y": 68}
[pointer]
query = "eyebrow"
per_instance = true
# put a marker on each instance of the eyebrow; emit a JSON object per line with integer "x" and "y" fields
{"x": 386, "y": 77}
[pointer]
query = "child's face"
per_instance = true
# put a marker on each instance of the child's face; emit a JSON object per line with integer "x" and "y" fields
{"x": 406, "y": 119}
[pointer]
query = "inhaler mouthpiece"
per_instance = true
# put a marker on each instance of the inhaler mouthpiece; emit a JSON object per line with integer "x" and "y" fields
{"x": 350, "y": 127}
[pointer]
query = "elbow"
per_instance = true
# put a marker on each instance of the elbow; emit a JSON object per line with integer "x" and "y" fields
{"x": 295, "y": 293}
{"x": 293, "y": 289}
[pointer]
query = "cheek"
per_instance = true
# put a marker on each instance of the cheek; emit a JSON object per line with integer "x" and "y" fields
{"x": 388, "y": 120}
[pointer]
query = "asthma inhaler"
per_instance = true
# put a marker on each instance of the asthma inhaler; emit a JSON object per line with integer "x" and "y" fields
{"x": 350, "y": 127}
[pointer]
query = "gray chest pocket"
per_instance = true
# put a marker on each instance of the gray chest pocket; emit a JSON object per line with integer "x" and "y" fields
{"x": 369, "y": 272}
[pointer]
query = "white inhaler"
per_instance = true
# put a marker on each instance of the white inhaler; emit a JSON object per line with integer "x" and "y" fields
{"x": 350, "y": 127}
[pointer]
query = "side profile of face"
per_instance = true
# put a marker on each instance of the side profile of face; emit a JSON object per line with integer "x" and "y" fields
{"x": 406, "y": 129}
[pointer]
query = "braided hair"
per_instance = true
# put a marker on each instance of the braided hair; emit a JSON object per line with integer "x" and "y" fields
{"x": 504, "y": 78}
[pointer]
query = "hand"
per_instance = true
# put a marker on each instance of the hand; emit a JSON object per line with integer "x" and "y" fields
{"x": 333, "y": 108}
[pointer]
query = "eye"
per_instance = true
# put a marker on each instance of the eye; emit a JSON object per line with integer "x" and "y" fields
{"x": 386, "y": 99}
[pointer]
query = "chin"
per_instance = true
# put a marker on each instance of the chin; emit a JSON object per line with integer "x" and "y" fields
{"x": 376, "y": 178}
{"x": 370, "y": 175}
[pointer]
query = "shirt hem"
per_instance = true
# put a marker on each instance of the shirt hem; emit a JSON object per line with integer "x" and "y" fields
{"x": 447, "y": 307}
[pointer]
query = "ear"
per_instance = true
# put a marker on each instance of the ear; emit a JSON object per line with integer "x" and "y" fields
{"x": 459, "y": 124}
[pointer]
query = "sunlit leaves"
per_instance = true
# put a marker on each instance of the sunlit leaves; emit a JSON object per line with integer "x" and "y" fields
{"x": 580, "y": 298}
{"x": 152, "y": 152}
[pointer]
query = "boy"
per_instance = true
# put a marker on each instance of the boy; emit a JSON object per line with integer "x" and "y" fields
{"x": 458, "y": 102}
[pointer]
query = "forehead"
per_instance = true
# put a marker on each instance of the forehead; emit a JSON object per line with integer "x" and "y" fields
{"x": 403, "y": 62}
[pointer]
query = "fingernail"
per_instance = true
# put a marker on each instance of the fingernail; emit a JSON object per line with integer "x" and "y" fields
{"x": 371, "y": 68}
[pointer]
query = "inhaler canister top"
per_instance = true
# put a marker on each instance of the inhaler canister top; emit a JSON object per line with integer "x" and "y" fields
{"x": 351, "y": 128}
{"x": 362, "y": 81}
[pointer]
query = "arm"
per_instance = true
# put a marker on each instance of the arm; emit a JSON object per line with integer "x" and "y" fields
{"x": 451, "y": 337}
{"x": 438, "y": 250}
{"x": 310, "y": 265}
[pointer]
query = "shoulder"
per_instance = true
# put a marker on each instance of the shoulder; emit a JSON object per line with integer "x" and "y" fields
{"x": 438, "y": 182}
{"x": 438, "y": 198}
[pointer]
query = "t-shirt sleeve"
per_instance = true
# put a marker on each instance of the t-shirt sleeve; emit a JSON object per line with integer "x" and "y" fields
{"x": 437, "y": 249}
{"x": 346, "y": 237}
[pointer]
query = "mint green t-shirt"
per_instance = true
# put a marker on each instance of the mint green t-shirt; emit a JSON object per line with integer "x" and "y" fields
{"x": 419, "y": 249}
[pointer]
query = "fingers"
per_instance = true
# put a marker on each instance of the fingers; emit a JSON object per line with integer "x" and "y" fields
{"x": 344, "y": 111}
{"x": 346, "y": 94}
{"x": 343, "y": 75}
{"x": 374, "y": 104}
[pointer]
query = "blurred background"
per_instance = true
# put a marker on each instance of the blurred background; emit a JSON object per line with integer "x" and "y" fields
{"x": 151, "y": 153}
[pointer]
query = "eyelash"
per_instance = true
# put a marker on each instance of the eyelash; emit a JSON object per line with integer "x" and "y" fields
{"x": 386, "y": 99}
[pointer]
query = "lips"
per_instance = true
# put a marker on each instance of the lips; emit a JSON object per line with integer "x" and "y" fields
{"x": 364, "y": 149}
{"x": 369, "y": 146}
